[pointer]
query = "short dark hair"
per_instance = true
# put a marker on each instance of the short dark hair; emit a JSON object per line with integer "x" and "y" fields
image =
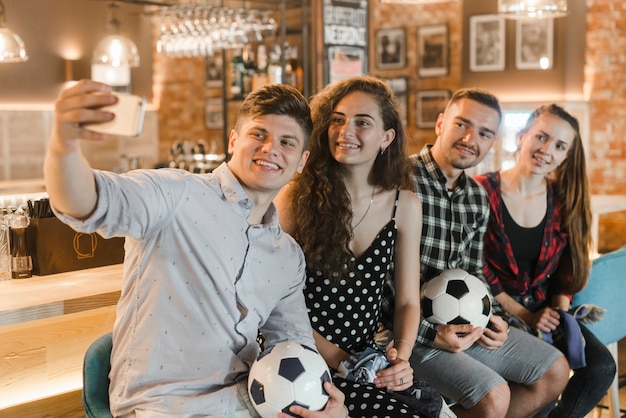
{"x": 478, "y": 95}
{"x": 278, "y": 99}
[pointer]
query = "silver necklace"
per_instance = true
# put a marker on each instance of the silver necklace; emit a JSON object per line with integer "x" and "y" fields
{"x": 365, "y": 214}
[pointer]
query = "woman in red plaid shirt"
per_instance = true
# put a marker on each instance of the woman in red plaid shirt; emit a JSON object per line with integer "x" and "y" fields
{"x": 537, "y": 249}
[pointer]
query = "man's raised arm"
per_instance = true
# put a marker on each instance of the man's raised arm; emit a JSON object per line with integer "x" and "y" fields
{"x": 68, "y": 177}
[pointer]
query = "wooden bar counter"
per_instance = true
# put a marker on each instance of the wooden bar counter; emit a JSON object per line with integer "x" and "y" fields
{"x": 46, "y": 325}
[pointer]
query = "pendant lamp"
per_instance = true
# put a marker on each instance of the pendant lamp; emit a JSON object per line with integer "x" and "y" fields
{"x": 11, "y": 46}
{"x": 114, "y": 55}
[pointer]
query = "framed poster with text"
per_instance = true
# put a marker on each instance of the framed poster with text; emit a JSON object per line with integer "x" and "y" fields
{"x": 345, "y": 37}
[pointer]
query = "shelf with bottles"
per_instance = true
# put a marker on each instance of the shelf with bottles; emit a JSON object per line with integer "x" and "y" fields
{"x": 279, "y": 57}
{"x": 251, "y": 68}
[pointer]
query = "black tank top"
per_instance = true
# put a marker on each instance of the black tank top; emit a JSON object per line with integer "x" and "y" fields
{"x": 526, "y": 242}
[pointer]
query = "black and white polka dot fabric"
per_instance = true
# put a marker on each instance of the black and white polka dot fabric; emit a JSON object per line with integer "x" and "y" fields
{"x": 367, "y": 401}
{"x": 347, "y": 313}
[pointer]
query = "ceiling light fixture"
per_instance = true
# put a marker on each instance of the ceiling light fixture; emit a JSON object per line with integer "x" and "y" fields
{"x": 11, "y": 46}
{"x": 114, "y": 55}
{"x": 539, "y": 9}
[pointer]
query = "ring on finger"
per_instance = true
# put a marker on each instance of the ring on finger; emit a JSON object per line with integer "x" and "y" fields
{"x": 402, "y": 381}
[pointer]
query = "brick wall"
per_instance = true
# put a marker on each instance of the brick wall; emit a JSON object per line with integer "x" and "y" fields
{"x": 410, "y": 17}
{"x": 605, "y": 89}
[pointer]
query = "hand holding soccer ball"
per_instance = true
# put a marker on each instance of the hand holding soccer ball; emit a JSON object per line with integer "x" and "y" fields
{"x": 456, "y": 297}
{"x": 288, "y": 374}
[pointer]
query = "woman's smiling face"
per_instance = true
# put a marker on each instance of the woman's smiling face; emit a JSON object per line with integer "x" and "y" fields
{"x": 356, "y": 131}
{"x": 546, "y": 143}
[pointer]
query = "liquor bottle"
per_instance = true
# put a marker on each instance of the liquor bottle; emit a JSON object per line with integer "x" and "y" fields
{"x": 274, "y": 67}
{"x": 260, "y": 77}
{"x": 237, "y": 84}
{"x": 296, "y": 78}
{"x": 21, "y": 261}
{"x": 288, "y": 70}
{"x": 249, "y": 69}
{"x": 5, "y": 248}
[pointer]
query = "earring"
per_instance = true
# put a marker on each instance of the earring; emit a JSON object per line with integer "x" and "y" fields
{"x": 382, "y": 150}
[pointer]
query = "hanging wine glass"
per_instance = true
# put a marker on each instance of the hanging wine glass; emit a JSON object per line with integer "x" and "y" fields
{"x": 199, "y": 30}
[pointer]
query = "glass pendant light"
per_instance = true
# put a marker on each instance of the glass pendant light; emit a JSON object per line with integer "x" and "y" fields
{"x": 11, "y": 46}
{"x": 114, "y": 55}
{"x": 523, "y": 9}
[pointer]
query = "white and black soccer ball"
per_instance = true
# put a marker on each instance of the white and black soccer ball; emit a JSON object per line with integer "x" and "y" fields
{"x": 456, "y": 297}
{"x": 288, "y": 374}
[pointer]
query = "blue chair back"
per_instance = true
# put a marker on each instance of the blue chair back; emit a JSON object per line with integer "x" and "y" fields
{"x": 96, "y": 368}
{"x": 607, "y": 289}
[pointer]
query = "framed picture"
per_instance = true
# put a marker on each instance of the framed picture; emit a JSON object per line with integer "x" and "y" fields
{"x": 400, "y": 87}
{"x": 213, "y": 113}
{"x": 345, "y": 61}
{"x": 487, "y": 43}
{"x": 430, "y": 103}
{"x": 533, "y": 44}
{"x": 345, "y": 35}
{"x": 390, "y": 49}
{"x": 214, "y": 69}
{"x": 432, "y": 50}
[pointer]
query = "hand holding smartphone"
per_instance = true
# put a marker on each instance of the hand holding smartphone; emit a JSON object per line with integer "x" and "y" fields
{"x": 129, "y": 114}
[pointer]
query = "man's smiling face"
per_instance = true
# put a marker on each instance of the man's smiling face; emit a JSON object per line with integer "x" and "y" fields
{"x": 267, "y": 151}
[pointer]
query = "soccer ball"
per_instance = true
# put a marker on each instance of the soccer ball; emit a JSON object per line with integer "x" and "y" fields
{"x": 288, "y": 374}
{"x": 456, "y": 297}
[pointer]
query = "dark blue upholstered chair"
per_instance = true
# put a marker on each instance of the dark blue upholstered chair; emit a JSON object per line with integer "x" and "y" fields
{"x": 96, "y": 368}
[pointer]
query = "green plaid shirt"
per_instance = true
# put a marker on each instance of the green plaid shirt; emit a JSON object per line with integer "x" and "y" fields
{"x": 453, "y": 227}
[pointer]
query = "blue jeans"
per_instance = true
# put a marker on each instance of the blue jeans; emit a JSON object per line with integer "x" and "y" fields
{"x": 588, "y": 384}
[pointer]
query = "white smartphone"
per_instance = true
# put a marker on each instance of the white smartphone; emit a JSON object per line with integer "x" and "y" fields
{"x": 128, "y": 121}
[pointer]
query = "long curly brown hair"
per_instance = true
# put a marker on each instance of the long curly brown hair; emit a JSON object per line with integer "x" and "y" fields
{"x": 321, "y": 205}
{"x": 572, "y": 188}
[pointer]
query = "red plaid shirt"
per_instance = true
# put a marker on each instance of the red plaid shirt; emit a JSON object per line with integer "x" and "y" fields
{"x": 500, "y": 267}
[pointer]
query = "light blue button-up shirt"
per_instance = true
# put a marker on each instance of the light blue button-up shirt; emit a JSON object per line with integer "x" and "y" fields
{"x": 199, "y": 281}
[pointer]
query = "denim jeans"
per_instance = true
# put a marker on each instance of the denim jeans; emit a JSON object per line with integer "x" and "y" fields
{"x": 588, "y": 384}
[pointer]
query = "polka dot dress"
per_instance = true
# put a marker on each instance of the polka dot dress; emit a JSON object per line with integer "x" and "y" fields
{"x": 367, "y": 401}
{"x": 347, "y": 313}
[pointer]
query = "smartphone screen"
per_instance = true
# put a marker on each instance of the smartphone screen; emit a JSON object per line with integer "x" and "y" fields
{"x": 129, "y": 114}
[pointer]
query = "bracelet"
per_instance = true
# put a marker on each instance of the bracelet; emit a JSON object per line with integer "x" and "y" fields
{"x": 400, "y": 340}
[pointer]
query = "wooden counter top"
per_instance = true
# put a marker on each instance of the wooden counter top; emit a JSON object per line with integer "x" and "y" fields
{"x": 57, "y": 294}
{"x": 39, "y": 290}
{"x": 46, "y": 325}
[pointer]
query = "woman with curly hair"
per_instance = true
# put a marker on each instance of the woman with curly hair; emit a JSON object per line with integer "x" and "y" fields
{"x": 353, "y": 211}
